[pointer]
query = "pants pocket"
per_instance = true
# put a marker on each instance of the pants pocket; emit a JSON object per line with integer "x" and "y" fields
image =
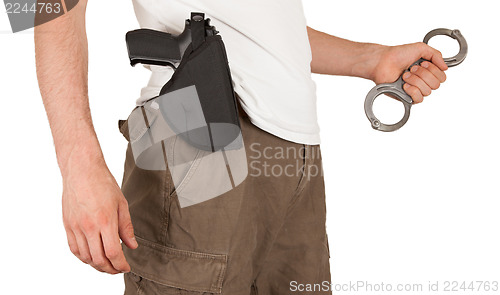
{"x": 196, "y": 175}
{"x": 153, "y": 147}
{"x": 158, "y": 269}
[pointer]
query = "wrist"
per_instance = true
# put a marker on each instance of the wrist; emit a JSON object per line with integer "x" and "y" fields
{"x": 79, "y": 154}
{"x": 82, "y": 158}
{"x": 368, "y": 60}
{"x": 81, "y": 161}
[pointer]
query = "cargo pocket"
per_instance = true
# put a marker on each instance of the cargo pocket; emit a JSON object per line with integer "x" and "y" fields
{"x": 158, "y": 269}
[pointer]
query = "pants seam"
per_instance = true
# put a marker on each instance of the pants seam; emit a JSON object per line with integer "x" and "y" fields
{"x": 304, "y": 177}
{"x": 255, "y": 290}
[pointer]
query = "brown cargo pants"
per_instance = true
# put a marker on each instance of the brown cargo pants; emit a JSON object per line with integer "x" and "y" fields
{"x": 263, "y": 237}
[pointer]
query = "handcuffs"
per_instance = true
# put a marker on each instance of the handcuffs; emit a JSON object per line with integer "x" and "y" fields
{"x": 395, "y": 89}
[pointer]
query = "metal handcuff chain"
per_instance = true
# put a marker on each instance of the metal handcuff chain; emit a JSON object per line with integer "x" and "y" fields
{"x": 396, "y": 89}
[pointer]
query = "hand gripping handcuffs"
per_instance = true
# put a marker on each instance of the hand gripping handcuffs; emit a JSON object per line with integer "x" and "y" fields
{"x": 396, "y": 89}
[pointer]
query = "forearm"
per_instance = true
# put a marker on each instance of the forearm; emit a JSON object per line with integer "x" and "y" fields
{"x": 336, "y": 56}
{"x": 62, "y": 66}
{"x": 95, "y": 212}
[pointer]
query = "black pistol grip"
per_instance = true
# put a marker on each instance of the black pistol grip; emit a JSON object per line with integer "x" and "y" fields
{"x": 184, "y": 39}
{"x": 152, "y": 47}
{"x": 160, "y": 48}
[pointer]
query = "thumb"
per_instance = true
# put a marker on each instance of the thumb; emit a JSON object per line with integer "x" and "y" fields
{"x": 433, "y": 55}
{"x": 125, "y": 228}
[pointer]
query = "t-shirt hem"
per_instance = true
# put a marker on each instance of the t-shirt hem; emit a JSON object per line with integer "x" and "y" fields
{"x": 297, "y": 137}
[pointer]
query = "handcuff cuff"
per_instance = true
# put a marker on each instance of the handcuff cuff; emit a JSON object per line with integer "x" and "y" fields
{"x": 395, "y": 89}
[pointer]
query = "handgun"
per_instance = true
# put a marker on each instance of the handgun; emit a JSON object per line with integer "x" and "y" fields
{"x": 161, "y": 48}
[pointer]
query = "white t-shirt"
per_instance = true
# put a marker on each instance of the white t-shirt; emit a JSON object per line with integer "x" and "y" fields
{"x": 269, "y": 56}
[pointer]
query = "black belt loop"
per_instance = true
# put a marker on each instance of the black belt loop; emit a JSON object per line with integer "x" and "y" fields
{"x": 197, "y": 29}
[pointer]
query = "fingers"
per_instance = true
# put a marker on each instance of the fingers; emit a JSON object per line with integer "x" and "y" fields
{"x": 425, "y": 78}
{"x": 90, "y": 215}
{"x": 440, "y": 75}
{"x": 433, "y": 55}
{"x": 99, "y": 259}
{"x": 125, "y": 228}
{"x": 73, "y": 246}
{"x": 414, "y": 92}
{"x": 113, "y": 249}
{"x": 101, "y": 251}
{"x": 89, "y": 238}
{"x": 83, "y": 247}
{"x": 415, "y": 80}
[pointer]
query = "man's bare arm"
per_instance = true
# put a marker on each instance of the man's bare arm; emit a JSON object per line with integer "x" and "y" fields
{"x": 381, "y": 64}
{"x": 95, "y": 212}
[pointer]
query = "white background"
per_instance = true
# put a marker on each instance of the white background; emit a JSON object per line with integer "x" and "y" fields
{"x": 417, "y": 205}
